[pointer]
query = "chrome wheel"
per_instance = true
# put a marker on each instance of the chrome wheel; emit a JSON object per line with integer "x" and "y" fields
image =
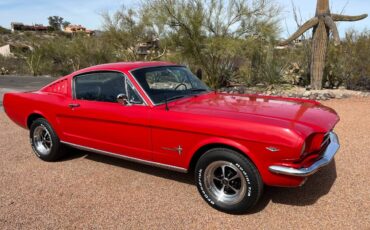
{"x": 225, "y": 182}
{"x": 42, "y": 140}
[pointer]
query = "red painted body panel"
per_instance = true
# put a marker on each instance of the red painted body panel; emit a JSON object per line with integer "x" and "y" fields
{"x": 247, "y": 123}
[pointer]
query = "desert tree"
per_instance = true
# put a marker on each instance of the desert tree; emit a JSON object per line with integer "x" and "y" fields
{"x": 211, "y": 34}
{"x": 65, "y": 24}
{"x": 126, "y": 29}
{"x": 55, "y": 22}
{"x": 323, "y": 23}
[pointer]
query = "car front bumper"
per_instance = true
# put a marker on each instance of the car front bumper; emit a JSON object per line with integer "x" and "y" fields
{"x": 327, "y": 157}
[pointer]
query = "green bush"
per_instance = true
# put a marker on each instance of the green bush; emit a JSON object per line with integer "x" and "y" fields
{"x": 63, "y": 55}
{"x": 349, "y": 62}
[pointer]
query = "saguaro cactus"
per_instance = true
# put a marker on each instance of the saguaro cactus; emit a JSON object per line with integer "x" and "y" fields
{"x": 323, "y": 23}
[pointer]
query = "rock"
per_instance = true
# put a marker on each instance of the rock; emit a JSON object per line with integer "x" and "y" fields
{"x": 339, "y": 96}
{"x": 306, "y": 94}
{"x": 336, "y": 84}
{"x": 326, "y": 95}
{"x": 242, "y": 90}
{"x": 331, "y": 95}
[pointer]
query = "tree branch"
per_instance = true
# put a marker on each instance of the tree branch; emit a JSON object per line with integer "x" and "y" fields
{"x": 310, "y": 23}
{"x": 346, "y": 18}
{"x": 160, "y": 55}
{"x": 331, "y": 24}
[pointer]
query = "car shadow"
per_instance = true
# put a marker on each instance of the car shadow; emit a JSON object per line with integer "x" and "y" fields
{"x": 186, "y": 178}
{"x": 72, "y": 153}
{"x": 317, "y": 185}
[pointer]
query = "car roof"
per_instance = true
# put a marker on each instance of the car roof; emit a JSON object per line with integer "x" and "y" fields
{"x": 124, "y": 66}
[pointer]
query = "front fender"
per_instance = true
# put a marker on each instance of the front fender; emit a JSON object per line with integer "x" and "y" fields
{"x": 219, "y": 141}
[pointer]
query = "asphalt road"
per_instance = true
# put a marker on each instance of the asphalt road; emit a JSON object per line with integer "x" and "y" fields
{"x": 21, "y": 83}
{"x": 91, "y": 191}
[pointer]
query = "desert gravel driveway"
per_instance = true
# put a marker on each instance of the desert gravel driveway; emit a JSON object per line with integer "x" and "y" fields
{"x": 95, "y": 192}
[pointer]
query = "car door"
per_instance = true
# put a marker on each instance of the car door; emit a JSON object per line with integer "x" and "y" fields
{"x": 96, "y": 120}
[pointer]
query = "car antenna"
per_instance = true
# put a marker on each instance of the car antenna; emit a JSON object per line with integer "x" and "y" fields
{"x": 166, "y": 102}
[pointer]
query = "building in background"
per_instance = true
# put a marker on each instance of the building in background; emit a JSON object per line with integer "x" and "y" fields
{"x": 18, "y": 26}
{"x": 73, "y": 29}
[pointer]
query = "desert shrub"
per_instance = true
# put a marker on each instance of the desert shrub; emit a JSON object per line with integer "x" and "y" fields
{"x": 349, "y": 62}
{"x": 4, "y": 30}
{"x": 63, "y": 55}
{"x": 13, "y": 65}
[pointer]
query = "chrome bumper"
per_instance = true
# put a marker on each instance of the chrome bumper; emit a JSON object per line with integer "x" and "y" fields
{"x": 327, "y": 157}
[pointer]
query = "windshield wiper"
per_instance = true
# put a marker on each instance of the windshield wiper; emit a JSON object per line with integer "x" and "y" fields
{"x": 198, "y": 90}
{"x": 166, "y": 100}
{"x": 175, "y": 97}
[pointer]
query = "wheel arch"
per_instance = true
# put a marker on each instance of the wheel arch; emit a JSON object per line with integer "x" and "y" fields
{"x": 32, "y": 117}
{"x": 203, "y": 148}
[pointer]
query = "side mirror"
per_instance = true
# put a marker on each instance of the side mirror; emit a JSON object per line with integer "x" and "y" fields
{"x": 122, "y": 99}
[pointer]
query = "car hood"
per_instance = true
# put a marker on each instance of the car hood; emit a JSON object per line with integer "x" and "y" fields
{"x": 256, "y": 107}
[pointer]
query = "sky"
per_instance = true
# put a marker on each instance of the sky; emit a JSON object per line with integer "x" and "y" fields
{"x": 307, "y": 10}
{"x": 87, "y": 12}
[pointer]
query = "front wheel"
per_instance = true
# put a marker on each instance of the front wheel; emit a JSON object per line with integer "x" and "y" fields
{"x": 44, "y": 141}
{"x": 228, "y": 181}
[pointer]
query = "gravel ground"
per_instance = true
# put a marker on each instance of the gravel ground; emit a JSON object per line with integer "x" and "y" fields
{"x": 92, "y": 191}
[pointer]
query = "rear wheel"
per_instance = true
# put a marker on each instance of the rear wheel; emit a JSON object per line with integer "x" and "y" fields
{"x": 228, "y": 181}
{"x": 44, "y": 141}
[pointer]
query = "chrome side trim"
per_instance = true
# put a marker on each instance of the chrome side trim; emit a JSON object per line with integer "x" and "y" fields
{"x": 133, "y": 159}
{"x": 327, "y": 157}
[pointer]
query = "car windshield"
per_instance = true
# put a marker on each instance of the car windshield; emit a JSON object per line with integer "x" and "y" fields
{"x": 169, "y": 83}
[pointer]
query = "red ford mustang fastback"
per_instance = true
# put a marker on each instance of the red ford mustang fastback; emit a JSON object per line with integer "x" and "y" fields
{"x": 160, "y": 114}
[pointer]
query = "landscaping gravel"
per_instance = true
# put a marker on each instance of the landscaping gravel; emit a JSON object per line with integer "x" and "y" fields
{"x": 95, "y": 192}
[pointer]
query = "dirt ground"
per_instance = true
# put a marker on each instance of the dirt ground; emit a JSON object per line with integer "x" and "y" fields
{"x": 92, "y": 191}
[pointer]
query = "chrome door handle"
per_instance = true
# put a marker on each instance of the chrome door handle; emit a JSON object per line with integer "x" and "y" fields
{"x": 73, "y": 106}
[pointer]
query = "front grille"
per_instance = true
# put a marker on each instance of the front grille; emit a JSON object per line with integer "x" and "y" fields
{"x": 324, "y": 144}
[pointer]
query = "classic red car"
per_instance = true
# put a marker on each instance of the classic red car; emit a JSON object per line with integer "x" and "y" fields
{"x": 160, "y": 114}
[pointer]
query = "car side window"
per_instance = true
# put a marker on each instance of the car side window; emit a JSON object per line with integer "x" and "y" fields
{"x": 100, "y": 86}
